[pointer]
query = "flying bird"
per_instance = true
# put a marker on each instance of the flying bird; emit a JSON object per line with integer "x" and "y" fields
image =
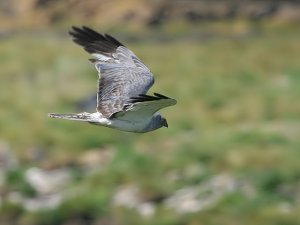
{"x": 122, "y": 100}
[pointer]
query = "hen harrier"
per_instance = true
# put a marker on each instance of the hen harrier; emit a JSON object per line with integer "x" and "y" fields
{"x": 124, "y": 80}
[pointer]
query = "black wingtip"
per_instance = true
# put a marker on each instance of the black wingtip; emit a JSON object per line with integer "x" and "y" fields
{"x": 144, "y": 98}
{"x": 92, "y": 41}
{"x": 160, "y": 96}
{"x": 74, "y": 30}
{"x": 111, "y": 38}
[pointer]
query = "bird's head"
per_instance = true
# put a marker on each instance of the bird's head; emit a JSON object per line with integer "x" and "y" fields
{"x": 156, "y": 122}
{"x": 160, "y": 121}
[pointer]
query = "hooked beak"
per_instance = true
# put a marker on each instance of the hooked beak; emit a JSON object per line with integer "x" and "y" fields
{"x": 165, "y": 123}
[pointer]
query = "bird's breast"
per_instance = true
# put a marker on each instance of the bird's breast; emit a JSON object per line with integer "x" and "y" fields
{"x": 131, "y": 126}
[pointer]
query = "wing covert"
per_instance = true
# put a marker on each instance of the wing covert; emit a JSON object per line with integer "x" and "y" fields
{"x": 115, "y": 90}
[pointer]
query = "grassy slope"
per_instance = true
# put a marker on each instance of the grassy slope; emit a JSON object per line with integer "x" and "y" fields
{"x": 237, "y": 112}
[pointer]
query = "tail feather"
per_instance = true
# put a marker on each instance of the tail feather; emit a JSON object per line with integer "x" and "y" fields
{"x": 79, "y": 117}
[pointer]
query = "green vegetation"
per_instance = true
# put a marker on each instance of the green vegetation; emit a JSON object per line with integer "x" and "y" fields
{"x": 238, "y": 114}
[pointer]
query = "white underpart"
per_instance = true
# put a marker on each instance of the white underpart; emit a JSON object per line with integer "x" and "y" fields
{"x": 133, "y": 126}
{"x": 124, "y": 125}
{"x": 98, "y": 118}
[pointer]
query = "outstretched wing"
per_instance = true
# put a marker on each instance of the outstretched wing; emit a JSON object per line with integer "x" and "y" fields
{"x": 122, "y": 74}
{"x": 143, "y": 107}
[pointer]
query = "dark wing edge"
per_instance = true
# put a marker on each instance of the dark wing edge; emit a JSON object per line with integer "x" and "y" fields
{"x": 105, "y": 48}
{"x": 143, "y": 99}
{"x": 94, "y": 42}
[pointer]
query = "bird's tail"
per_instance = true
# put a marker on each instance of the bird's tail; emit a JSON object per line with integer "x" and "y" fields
{"x": 86, "y": 117}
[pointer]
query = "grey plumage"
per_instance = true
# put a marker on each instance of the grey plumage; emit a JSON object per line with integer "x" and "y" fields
{"x": 123, "y": 82}
{"x": 122, "y": 74}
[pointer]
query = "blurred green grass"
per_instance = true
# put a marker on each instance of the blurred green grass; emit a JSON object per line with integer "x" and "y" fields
{"x": 237, "y": 113}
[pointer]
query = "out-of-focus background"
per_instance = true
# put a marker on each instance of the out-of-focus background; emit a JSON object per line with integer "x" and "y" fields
{"x": 231, "y": 154}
